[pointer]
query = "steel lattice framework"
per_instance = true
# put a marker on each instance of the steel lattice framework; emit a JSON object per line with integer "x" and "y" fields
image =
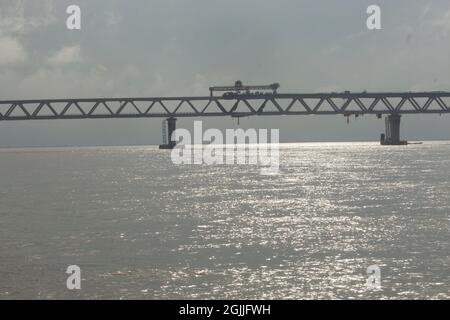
{"x": 239, "y": 106}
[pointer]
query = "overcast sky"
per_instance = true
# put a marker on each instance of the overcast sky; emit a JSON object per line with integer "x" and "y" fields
{"x": 181, "y": 47}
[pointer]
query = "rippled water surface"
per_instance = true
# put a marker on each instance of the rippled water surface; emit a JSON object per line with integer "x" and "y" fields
{"x": 140, "y": 227}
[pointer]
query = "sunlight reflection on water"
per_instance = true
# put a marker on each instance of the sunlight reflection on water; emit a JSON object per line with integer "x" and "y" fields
{"x": 140, "y": 227}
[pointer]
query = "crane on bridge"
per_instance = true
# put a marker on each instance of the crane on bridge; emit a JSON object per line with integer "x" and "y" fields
{"x": 231, "y": 92}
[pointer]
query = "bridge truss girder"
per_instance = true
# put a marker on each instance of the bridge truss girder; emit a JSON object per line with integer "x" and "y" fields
{"x": 252, "y": 105}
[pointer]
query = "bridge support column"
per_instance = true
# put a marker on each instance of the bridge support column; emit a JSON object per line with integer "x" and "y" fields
{"x": 169, "y": 126}
{"x": 392, "y": 136}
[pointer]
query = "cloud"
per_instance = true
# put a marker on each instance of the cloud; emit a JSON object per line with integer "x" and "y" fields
{"x": 112, "y": 18}
{"x": 11, "y": 51}
{"x": 15, "y": 17}
{"x": 436, "y": 21}
{"x": 443, "y": 22}
{"x": 60, "y": 83}
{"x": 65, "y": 56}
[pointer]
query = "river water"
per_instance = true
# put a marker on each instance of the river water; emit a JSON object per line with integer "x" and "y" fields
{"x": 140, "y": 227}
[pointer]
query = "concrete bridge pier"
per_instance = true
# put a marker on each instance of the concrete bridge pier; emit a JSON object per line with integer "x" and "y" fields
{"x": 169, "y": 126}
{"x": 392, "y": 135}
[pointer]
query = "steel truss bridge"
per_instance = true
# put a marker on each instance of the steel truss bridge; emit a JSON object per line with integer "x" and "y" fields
{"x": 236, "y": 105}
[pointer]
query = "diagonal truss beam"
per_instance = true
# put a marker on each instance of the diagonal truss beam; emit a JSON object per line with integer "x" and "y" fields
{"x": 238, "y": 106}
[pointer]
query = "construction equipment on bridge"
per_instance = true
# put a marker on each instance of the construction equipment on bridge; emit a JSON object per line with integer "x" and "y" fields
{"x": 240, "y": 90}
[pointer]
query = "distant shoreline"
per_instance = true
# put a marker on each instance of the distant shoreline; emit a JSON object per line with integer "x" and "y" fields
{"x": 156, "y": 145}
